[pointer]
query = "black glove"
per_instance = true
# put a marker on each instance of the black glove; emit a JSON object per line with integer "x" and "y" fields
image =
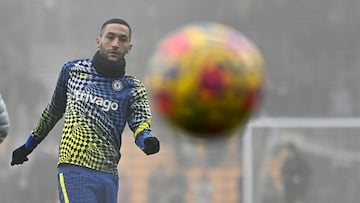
{"x": 152, "y": 145}
{"x": 19, "y": 155}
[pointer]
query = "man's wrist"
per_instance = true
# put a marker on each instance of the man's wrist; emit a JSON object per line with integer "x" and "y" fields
{"x": 31, "y": 143}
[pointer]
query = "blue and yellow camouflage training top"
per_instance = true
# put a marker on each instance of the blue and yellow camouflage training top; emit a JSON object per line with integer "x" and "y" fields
{"x": 96, "y": 111}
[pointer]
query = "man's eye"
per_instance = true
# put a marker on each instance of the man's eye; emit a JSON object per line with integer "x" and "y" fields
{"x": 111, "y": 37}
{"x": 123, "y": 38}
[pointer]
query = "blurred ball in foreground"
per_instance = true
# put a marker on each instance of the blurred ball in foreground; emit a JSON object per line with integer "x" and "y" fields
{"x": 206, "y": 79}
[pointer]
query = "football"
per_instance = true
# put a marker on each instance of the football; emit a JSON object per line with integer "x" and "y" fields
{"x": 206, "y": 79}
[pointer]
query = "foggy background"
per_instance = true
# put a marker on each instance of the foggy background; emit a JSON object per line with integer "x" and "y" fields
{"x": 312, "y": 55}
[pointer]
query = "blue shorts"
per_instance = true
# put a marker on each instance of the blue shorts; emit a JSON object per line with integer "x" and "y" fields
{"x": 82, "y": 185}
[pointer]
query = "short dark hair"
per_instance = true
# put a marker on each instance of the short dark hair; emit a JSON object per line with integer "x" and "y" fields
{"x": 118, "y": 21}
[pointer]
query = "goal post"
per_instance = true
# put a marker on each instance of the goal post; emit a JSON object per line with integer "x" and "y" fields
{"x": 331, "y": 146}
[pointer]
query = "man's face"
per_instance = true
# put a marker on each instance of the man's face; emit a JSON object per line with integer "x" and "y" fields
{"x": 114, "y": 42}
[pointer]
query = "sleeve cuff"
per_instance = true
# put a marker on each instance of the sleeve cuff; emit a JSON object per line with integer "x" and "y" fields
{"x": 141, "y": 137}
{"x": 31, "y": 142}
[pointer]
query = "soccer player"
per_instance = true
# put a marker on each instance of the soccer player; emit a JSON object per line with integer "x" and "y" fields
{"x": 98, "y": 98}
{"x": 4, "y": 120}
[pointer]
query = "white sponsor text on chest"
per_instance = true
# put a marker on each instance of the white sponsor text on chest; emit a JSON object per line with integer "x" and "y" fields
{"x": 104, "y": 103}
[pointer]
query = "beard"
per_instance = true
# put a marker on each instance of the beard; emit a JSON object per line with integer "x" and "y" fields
{"x": 107, "y": 55}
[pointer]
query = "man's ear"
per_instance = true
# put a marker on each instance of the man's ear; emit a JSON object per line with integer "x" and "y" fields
{"x": 98, "y": 40}
{"x": 130, "y": 47}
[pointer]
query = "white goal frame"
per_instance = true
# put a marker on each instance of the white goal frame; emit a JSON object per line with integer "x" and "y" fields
{"x": 281, "y": 122}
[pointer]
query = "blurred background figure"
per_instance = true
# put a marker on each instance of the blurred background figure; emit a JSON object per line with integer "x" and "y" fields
{"x": 295, "y": 174}
{"x": 4, "y": 120}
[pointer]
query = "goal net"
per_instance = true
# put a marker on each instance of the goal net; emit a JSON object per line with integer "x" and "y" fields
{"x": 326, "y": 169}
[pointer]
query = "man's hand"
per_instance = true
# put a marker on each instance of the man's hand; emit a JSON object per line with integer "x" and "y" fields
{"x": 151, "y": 145}
{"x": 19, "y": 155}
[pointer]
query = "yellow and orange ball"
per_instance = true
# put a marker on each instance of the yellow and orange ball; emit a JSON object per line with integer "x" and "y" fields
{"x": 206, "y": 78}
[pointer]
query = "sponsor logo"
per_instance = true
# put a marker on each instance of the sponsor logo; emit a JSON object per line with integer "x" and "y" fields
{"x": 105, "y": 104}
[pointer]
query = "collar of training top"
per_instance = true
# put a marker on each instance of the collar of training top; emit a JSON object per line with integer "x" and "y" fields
{"x": 108, "y": 68}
